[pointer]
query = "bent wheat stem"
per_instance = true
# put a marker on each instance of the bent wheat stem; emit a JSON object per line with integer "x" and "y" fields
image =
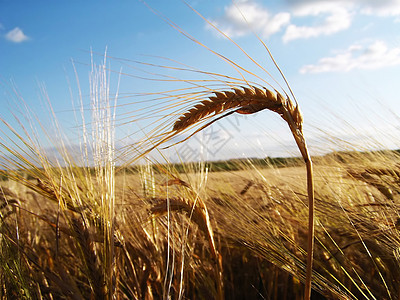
{"x": 249, "y": 100}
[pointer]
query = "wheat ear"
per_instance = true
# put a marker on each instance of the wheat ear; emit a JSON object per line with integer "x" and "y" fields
{"x": 249, "y": 100}
{"x": 246, "y": 100}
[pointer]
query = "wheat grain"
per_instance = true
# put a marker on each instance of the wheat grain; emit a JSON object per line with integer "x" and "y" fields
{"x": 246, "y": 100}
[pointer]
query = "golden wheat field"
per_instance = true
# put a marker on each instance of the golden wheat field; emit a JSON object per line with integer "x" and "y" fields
{"x": 98, "y": 221}
{"x": 200, "y": 234}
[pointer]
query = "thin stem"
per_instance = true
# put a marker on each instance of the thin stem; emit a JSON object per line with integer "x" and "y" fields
{"x": 301, "y": 143}
{"x": 310, "y": 247}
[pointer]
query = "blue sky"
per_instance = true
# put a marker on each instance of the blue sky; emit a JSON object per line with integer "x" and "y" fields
{"x": 341, "y": 58}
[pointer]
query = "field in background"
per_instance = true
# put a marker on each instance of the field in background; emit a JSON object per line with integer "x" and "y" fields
{"x": 257, "y": 217}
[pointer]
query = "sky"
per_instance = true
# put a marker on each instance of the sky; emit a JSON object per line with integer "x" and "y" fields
{"x": 340, "y": 57}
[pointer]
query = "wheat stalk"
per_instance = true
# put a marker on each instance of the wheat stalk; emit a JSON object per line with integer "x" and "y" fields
{"x": 249, "y": 100}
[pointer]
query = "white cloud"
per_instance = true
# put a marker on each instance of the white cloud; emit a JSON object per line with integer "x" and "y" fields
{"x": 240, "y": 18}
{"x": 16, "y": 35}
{"x": 337, "y": 18}
{"x": 371, "y": 7}
{"x": 338, "y": 15}
{"x": 303, "y": 18}
{"x": 365, "y": 57}
{"x": 382, "y": 8}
